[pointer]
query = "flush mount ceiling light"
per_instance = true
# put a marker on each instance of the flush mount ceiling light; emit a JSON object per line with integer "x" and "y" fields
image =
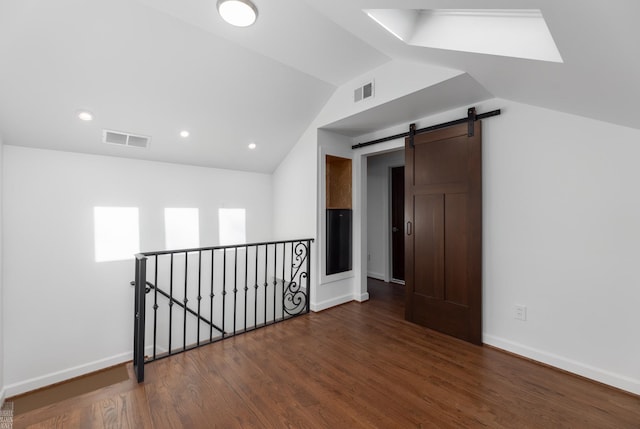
{"x": 84, "y": 115}
{"x": 184, "y": 134}
{"x": 252, "y": 146}
{"x": 241, "y": 13}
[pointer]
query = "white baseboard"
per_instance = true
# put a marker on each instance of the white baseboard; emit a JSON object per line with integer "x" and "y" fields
{"x": 362, "y": 297}
{"x": 377, "y": 276}
{"x": 603, "y": 376}
{"x": 319, "y": 306}
{"x": 65, "y": 374}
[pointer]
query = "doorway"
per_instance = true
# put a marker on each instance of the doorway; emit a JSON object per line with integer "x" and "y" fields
{"x": 397, "y": 224}
{"x": 380, "y": 215}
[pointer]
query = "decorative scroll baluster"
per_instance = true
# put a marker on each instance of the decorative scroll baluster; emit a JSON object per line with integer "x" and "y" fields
{"x": 295, "y": 299}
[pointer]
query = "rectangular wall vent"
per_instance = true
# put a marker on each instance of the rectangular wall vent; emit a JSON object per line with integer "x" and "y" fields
{"x": 363, "y": 92}
{"x": 125, "y": 139}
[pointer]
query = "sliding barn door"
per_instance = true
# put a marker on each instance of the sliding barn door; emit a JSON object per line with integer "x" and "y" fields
{"x": 443, "y": 231}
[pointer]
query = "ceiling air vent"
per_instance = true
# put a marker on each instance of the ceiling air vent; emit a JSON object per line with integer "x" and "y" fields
{"x": 125, "y": 139}
{"x": 363, "y": 92}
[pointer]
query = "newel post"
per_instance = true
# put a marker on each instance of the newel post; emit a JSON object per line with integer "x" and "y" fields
{"x": 139, "y": 316}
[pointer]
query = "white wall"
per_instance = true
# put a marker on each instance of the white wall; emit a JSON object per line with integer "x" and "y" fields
{"x": 379, "y": 213}
{"x": 561, "y": 233}
{"x": 69, "y": 314}
{"x": 299, "y": 179}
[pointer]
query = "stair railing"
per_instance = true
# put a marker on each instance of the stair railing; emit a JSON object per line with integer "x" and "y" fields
{"x": 203, "y": 295}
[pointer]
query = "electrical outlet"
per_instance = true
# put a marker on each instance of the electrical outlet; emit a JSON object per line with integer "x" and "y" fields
{"x": 521, "y": 312}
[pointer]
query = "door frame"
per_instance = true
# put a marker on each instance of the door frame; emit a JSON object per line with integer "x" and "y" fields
{"x": 360, "y": 156}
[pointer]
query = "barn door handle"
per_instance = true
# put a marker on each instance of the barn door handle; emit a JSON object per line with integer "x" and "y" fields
{"x": 408, "y": 228}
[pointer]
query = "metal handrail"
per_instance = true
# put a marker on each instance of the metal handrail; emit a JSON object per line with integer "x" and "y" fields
{"x": 229, "y": 246}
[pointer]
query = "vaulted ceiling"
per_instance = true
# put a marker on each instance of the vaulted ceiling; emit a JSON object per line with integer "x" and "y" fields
{"x": 156, "y": 67}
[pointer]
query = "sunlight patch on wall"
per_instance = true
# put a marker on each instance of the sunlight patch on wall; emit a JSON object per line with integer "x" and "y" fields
{"x": 117, "y": 233}
{"x": 181, "y": 228}
{"x": 232, "y": 226}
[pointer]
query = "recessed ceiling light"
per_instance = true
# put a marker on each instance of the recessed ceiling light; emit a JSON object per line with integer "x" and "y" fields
{"x": 84, "y": 115}
{"x": 241, "y": 13}
{"x": 252, "y": 146}
{"x": 184, "y": 134}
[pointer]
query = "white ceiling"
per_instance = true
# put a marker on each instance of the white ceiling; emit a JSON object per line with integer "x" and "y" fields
{"x": 155, "y": 67}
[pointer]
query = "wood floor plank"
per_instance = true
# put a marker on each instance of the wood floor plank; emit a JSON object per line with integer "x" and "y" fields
{"x": 359, "y": 365}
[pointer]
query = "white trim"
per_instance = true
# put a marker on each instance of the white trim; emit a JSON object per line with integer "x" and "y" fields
{"x": 65, "y": 374}
{"x": 362, "y": 297}
{"x": 376, "y": 276}
{"x": 603, "y": 376}
{"x": 319, "y": 306}
{"x": 360, "y": 197}
{"x": 3, "y": 396}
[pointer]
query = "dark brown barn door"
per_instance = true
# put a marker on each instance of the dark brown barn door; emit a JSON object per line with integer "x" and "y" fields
{"x": 397, "y": 223}
{"x": 443, "y": 231}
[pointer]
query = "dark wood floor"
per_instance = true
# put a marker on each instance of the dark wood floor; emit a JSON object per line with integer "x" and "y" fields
{"x": 354, "y": 366}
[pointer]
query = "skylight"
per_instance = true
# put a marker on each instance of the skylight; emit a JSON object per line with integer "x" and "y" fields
{"x": 518, "y": 33}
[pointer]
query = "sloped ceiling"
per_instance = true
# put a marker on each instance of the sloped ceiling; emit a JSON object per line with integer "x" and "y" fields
{"x": 598, "y": 42}
{"x": 155, "y": 67}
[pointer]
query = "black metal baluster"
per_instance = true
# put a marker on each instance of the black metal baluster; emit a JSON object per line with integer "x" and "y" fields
{"x": 170, "y": 301}
{"x": 155, "y": 306}
{"x": 199, "y": 294}
{"x": 308, "y": 275}
{"x": 275, "y": 278}
{"x": 211, "y": 295}
{"x": 290, "y": 277}
{"x": 235, "y": 287}
{"x": 246, "y": 284}
{"x": 266, "y": 268}
{"x": 185, "y": 300}
{"x": 224, "y": 288}
{"x": 255, "y": 295}
{"x": 284, "y": 263}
